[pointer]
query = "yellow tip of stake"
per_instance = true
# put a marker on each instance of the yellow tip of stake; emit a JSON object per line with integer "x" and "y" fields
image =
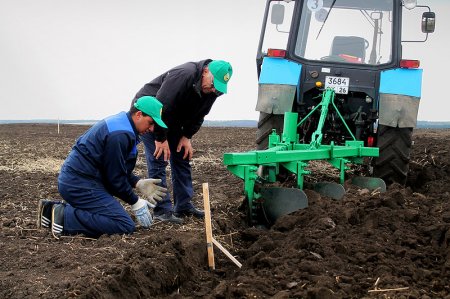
{"x": 318, "y": 84}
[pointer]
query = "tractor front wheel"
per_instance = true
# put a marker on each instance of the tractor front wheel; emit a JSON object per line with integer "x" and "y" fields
{"x": 267, "y": 122}
{"x": 395, "y": 149}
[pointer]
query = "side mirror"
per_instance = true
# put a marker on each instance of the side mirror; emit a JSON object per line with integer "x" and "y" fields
{"x": 376, "y": 15}
{"x": 428, "y": 22}
{"x": 277, "y": 15}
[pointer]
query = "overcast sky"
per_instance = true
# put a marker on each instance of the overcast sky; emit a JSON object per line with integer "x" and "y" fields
{"x": 86, "y": 59}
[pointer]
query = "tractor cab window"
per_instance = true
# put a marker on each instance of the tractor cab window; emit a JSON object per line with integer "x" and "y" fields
{"x": 277, "y": 29}
{"x": 348, "y": 31}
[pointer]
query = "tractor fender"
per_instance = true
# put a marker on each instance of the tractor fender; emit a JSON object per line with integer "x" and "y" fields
{"x": 400, "y": 93}
{"x": 277, "y": 85}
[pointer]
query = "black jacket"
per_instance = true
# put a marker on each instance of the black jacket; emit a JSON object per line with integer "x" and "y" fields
{"x": 184, "y": 105}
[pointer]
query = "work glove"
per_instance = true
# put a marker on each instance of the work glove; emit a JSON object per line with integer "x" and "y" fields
{"x": 150, "y": 190}
{"x": 142, "y": 212}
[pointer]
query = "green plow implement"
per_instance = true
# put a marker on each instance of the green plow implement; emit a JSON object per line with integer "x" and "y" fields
{"x": 259, "y": 169}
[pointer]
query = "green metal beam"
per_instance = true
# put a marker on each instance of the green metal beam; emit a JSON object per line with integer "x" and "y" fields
{"x": 324, "y": 152}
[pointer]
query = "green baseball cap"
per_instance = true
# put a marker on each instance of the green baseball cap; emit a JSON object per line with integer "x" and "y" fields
{"x": 152, "y": 107}
{"x": 222, "y": 72}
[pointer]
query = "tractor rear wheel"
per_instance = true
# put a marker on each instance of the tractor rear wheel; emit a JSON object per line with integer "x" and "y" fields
{"x": 395, "y": 149}
{"x": 266, "y": 123}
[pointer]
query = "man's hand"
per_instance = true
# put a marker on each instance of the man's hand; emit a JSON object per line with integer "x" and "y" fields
{"x": 142, "y": 212}
{"x": 151, "y": 191}
{"x": 186, "y": 144}
{"x": 162, "y": 148}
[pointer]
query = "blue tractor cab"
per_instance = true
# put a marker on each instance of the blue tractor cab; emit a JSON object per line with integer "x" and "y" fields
{"x": 355, "y": 48}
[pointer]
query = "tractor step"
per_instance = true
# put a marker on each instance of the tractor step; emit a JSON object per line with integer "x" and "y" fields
{"x": 280, "y": 201}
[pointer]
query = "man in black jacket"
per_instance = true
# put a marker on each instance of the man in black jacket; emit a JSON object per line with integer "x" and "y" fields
{"x": 187, "y": 93}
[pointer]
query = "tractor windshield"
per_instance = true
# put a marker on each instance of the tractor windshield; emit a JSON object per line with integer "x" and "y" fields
{"x": 349, "y": 31}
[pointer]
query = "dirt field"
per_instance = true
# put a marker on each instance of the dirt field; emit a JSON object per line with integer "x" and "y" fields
{"x": 398, "y": 240}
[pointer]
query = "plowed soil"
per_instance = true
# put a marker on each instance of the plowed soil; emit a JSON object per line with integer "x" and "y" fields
{"x": 367, "y": 245}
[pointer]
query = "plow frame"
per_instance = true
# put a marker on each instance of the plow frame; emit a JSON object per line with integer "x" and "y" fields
{"x": 286, "y": 151}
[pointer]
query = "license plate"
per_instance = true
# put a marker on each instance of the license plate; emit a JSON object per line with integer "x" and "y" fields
{"x": 339, "y": 84}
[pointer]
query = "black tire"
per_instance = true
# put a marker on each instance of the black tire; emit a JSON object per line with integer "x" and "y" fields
{"x": 395, "y": 148}
{"x": 266, "y": 123}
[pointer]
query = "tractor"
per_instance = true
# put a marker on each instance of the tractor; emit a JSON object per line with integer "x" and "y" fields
{"x": 333, "y": 86}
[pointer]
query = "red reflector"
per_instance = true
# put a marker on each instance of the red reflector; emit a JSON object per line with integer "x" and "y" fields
{"x": 370, "y": 141}
{"x": 276, "y": 53}
{"x": 410, "y": 64}
{"x": 351, "y": 58}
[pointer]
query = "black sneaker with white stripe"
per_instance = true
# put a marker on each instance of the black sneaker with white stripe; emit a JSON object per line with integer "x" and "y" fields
{"x": 44, "y": 213}
{"x": 58, "y": 220}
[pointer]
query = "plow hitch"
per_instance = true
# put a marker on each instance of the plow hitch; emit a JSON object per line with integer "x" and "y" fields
{"x": 266, "y": 200}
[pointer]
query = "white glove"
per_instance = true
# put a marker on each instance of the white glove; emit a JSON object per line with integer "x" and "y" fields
{"x": 150, "y": 190}
{"x": 142, "y": 212}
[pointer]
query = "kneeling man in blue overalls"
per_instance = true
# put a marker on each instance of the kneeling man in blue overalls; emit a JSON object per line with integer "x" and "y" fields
{"x": 98, "y": 170}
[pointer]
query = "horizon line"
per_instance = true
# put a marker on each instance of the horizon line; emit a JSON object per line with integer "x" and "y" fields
{"x": 34, "y": 120}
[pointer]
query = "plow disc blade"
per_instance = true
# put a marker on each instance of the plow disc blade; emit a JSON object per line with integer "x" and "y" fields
{"x": 369, "y": 183}
{"x": 330, "y": 189}
{"x": 282, "y": 201}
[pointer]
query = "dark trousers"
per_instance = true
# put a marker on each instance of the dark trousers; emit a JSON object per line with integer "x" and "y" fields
{"x": 180, "y": 174}
{"x": 91, "y": 210}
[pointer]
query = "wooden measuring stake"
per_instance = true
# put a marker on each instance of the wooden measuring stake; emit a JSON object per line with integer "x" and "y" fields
{"x": 209, "y": 238}
{"x": 228, "y": 254}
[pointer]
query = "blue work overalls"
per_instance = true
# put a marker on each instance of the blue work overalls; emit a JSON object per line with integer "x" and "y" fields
{"x": 181, "y": 174}
{"x": 98, "y": 168}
